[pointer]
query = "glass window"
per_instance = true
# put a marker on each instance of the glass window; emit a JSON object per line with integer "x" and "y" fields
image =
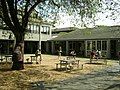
{"x": 42, "y": 29}
{"x": 48, "y": 30}
{"x": 37, "y": 29}
{"x": 32, "y": 28}
{"x": 104, "y": 45}
{"x": 70, "y": 45}
{"x": 98, "y": 45}
{"x": 88, "y": 45}
{"x": 93, "y": 45}
{"x": 45, "y": 30}
{"x": 29, "y": 28}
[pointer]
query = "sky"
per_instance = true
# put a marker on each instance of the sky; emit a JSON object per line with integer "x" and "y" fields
{"x": 66, "y": 21}
{"x": 69, "y": 21}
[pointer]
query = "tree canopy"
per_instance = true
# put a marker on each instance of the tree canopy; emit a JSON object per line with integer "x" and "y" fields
{"x": 48, "y": 9}
{"x": 112, "y": 7}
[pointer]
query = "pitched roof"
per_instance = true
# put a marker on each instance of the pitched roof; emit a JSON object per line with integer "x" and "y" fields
{"x": 65, "y": 29}
{"x": 102, "y": 32}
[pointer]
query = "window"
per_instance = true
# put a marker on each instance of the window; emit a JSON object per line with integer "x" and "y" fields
{"x": 32, "y": 28}
{"x": 104, "y": 45}
{"x": 45, "y": 30}
{"x": 48, "y": 30}
{"x": 93, "y": 45}
{"x": 29, "y": 28}
{"x": 70, "y": 45}
{"x": 37, "y": 29}
{"x": 98, "y": 45}
{"x": 88, "y": 45}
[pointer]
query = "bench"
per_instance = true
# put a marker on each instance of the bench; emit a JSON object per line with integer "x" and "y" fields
{"x": 63, "y": 65}
{"x": 33, "y": 58}
{"x": 8, "y": 57}
{"x": 67, "y": 65}
{"x": 99, "y": 59}
{"x": 1, "y": 59}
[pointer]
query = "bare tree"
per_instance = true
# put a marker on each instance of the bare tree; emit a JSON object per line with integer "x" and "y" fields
{"x": 9, "y": 14}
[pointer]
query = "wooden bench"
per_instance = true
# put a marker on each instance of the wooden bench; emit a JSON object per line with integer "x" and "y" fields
{"x": 63, "y": 65}
{"x": 68, "y": 65}
{"x": 99, "y": 59}
{"x": 1, "y": 59}
{"x": 33, "y": 58}
{"x": 8, "y": 57}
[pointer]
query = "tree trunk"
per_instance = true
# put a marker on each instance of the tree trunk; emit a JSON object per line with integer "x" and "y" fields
{"x": 18, "y": 52}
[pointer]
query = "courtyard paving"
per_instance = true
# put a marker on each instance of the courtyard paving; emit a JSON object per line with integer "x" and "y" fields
{"x": 91, "y": 77}
{"x": 107, "y": 78}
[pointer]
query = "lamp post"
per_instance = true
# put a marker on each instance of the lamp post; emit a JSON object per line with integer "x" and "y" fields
{"x": 39, "y": 53}
{"x": 39, "y": 38}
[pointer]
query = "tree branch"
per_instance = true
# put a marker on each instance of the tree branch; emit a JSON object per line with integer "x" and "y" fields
{"x": 13, "y": 12}
{"x": 6, "y": 17}
{"x": 16, "y": 6}
{"x": 25, "y": 18}
{"x": 27, "y": 14}
{"x": 58, "y": 5}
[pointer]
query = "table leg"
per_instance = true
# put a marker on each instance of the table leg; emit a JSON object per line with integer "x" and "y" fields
{"x": 6, "y": 59}
{"x": 31, "y": 59}
{"x": 66, "y": 67}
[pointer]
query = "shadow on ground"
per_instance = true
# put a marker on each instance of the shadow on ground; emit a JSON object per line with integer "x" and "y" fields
{"x": 114, "y": 86}
{"x": 95, "y": 63}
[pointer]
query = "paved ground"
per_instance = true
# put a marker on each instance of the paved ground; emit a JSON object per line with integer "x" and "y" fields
{"x": 93, "y": 81}
{"x": 108, "y": 79}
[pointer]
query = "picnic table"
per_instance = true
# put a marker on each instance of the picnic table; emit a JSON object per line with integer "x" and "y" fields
{"x": 33, "y": 58}
{"x": 8, "y": 57}
{"x": 67, "y": 64}
{"x": 102, "y": 58}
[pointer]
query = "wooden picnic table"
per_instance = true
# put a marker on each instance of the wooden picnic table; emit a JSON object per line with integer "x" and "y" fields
{"x": 102, "y": 58}
{"x": 33, "y": 58}
{"x": 8, "y": 57}
{"x": 68, "y": 63}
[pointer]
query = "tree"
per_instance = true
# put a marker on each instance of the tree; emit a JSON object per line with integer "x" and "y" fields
{"x": 47, "y": 8}
{"x": 113, "y": 9}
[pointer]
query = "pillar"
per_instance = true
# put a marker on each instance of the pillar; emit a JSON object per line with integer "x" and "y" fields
{"x": 108, "y": 49}
{"x": 47, "y": 46}
{"x": 52, "y": 47}
{"x": 67, "y": 48}
{"x": 86, "y": 48}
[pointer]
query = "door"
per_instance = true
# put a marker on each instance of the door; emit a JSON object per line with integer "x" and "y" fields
{"x": 113, "y": 48}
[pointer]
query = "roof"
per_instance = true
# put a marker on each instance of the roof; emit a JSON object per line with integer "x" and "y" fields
{"x": 68, "y": 29}
{"x": 104, "y": 32}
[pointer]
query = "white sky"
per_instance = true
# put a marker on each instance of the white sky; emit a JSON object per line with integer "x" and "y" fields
{"x": 65, "y": 20}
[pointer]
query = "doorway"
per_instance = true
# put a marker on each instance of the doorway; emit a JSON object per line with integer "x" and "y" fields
{"x": 113, "y": 48}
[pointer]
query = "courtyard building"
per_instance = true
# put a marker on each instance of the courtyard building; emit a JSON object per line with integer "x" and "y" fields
{"x": 83, "y": 41}
{"x": 38, "y": 30}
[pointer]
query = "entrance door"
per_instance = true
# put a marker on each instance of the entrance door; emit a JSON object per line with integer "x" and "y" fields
{"x": 113, "y": 48}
